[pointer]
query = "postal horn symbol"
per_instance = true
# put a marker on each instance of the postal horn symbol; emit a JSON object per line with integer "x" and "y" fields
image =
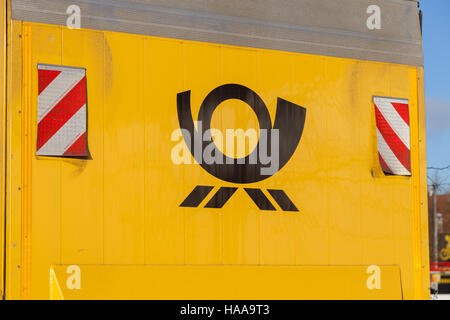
{"x": 289, "y": 122}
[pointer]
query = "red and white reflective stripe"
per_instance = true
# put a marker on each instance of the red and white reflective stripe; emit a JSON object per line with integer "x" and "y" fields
{"x": 393, "y": 132}
{"x": 61, "y": 111}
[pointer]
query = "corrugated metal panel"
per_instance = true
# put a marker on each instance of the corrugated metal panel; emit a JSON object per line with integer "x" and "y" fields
{"x": 122, "y": 207}
{"x": 326, "y": 27}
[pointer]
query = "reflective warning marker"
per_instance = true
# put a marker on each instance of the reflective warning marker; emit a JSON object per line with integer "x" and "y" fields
{"x": 393, "y": 134}
{"x": 62, "y": 116}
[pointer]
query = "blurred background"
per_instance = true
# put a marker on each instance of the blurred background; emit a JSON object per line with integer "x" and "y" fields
{"x": 436, "y": 42}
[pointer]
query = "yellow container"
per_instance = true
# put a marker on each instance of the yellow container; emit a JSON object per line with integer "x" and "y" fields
{"x": 112, "y": 226}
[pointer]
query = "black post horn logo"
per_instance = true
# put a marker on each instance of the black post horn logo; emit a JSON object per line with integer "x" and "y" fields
{"x": 289, "y": 122}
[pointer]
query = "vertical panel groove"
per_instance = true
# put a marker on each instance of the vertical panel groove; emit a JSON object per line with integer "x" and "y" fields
{"x": 26, "y": 166}
{"x": 417, "y": 237}
{"x": 3, "y": 146}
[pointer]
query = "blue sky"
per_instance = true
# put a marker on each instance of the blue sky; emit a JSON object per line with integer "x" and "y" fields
{"x": 436, "y": 43}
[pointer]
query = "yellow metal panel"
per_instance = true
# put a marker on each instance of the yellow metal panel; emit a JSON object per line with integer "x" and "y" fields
{"x": 377, "y": 230}
{"x": 122, "y": 206}
{"x": 2, "y": 141}
{"x": 164, "y": 228}
{"x": 404, "y": 214}
{"x": 343, "y": 172}
{"x": 240, "y": 228}
{"x": 124, "y": 145}
{"x": 82, "y": 180}
{"x": 203, "y": 227}
{"x": 307, "y": 89}
{"x": 275, "y": 79}
{"x": 222, "y": 282}
{"x": 44, "y": 45}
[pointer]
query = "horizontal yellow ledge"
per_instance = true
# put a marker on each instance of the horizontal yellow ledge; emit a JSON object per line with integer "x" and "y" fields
{"x": 221, "y": 282}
